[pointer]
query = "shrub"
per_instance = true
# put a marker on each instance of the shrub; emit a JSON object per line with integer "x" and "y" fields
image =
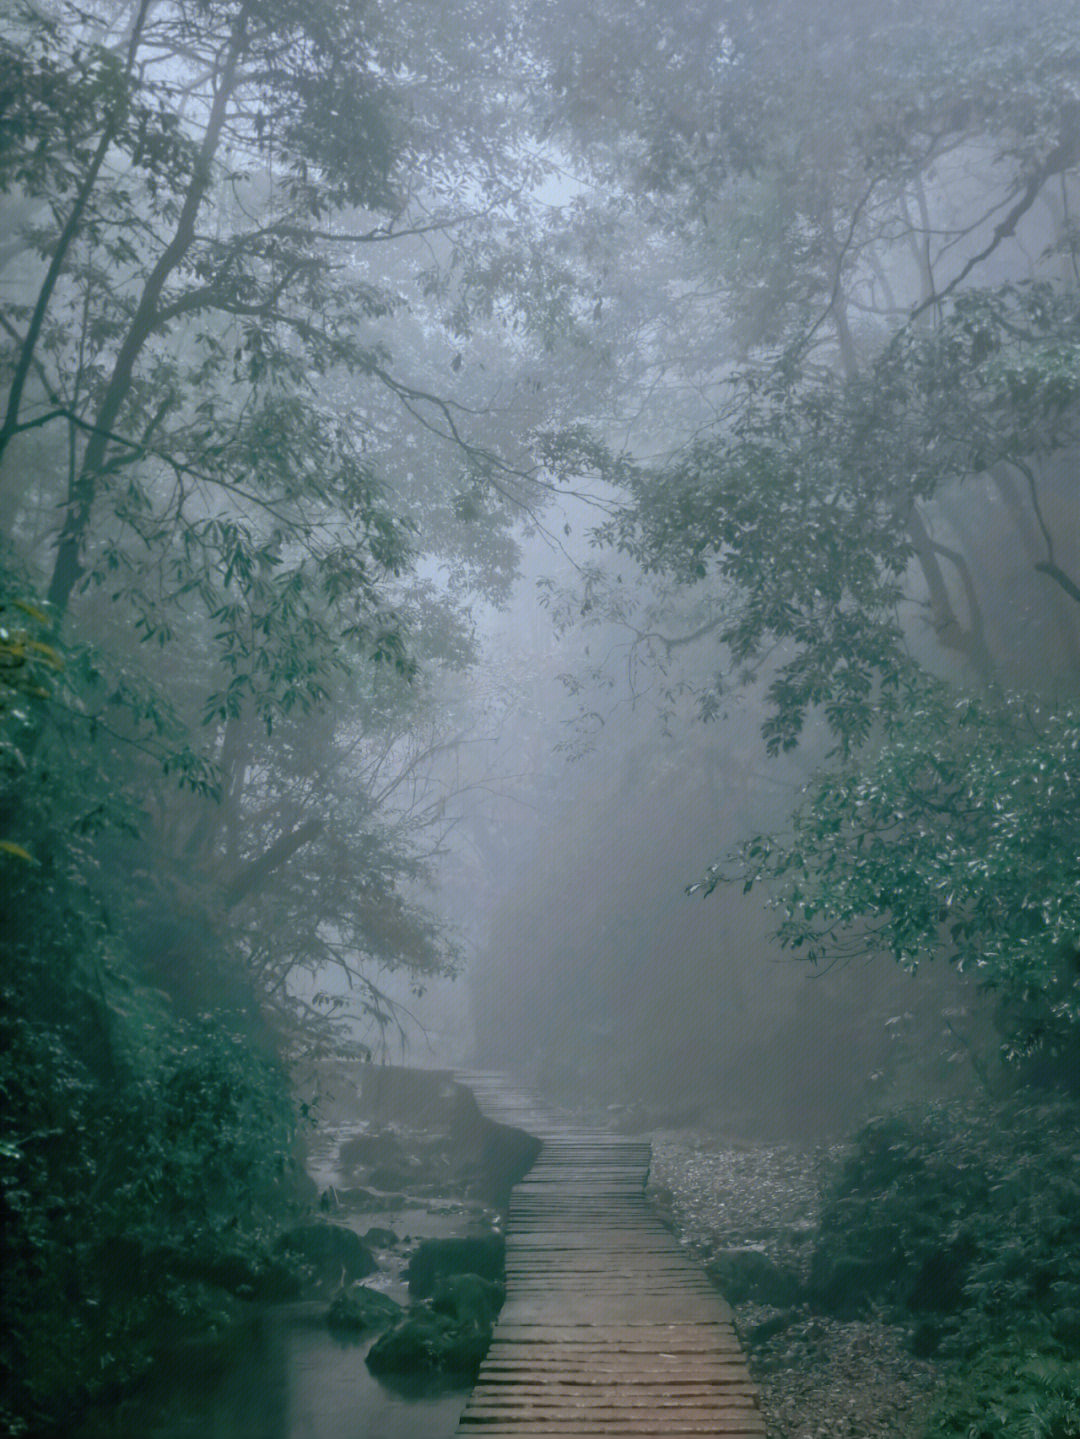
{"x": 964, "y": 1224}
{"x": 1010, "y": 1393}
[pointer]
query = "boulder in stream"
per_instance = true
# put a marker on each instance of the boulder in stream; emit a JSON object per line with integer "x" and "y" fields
{"x": 368, "y": 1150}
{"x": 468, "y": 1299}
{"x": 428, "y": 1343}
{"x": 358, "y": 1310}
{"x": 377, "y": 1238}
{"x": 331, "y": 1250}
{"x": 484, "y": 1255}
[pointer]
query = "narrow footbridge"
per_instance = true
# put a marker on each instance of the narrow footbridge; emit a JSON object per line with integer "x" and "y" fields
{"x": 608, "y": 1327}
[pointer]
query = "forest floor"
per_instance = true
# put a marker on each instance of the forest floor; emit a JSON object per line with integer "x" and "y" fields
{"x": 820, "y": 1377}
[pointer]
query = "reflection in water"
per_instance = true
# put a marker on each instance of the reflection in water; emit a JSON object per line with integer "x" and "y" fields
{"x": 333, "y": 1396}
{"x": 288, "y": 1377}
{"x": 282, "y": 1373}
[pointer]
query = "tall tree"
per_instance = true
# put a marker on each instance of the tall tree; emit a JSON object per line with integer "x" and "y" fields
{"x": 876, "y": 206}
{"x": 232, "y": 421}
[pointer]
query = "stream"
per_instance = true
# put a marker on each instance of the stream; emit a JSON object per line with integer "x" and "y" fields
{"x": 282, "y": 1372}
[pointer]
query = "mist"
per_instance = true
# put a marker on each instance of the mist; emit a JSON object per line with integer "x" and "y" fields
{"x": 539, "y": 550}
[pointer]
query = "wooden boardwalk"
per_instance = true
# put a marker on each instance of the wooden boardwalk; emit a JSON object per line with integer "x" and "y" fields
{"x": 608, "y": 1327}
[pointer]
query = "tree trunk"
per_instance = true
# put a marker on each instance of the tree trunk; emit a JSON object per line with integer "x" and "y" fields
{"x": 255, "y": 874}
{"x": 83, "y": 493}
{"x": 68, "y": 235}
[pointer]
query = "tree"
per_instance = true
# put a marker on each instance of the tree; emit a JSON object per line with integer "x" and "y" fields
{"x": 231, "y": 205}
{"x": 232, "y": 421}
{"x": 216, "y": 231}
{"x": 881, "y": 203}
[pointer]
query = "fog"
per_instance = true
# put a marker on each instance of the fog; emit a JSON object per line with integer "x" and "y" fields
{"x": 542, "y": 539}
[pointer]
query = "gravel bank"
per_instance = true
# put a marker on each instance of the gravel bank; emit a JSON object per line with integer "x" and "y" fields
{"x": 820, "y": 1378}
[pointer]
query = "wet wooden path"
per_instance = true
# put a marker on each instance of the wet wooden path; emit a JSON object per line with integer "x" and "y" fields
{"x": 608, "y": 1327}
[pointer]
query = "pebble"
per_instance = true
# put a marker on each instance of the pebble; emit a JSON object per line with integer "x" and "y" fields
{"x": 820, "y": 1378}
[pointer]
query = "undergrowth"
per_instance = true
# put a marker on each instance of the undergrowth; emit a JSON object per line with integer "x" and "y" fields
{"x": 963, "y": 1225}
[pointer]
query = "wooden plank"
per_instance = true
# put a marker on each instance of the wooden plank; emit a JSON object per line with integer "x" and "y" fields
{"x": 608, "y": 1327}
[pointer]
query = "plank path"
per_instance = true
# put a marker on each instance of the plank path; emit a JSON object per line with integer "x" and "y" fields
{"x": 608, "y": 1326}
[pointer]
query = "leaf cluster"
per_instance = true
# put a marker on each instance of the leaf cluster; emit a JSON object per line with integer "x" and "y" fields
{"x": 133, "y": 1138}
{"x": 956, "y": 839}
{"x": 961, "y": 1225}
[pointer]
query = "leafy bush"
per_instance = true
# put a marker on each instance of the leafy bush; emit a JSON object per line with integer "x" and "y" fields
{"x": 957, "y": 840}
{"x": 1011, "y": 1394}
{"x": 130, "y": 1208}
{"x": 143, "y": 1152}
{"x": 963, "y": 1224}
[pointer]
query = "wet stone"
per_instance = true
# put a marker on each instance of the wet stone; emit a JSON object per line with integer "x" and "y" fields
{"x": 484, "y": 1255}
{"x": 331, "y": 1250}
{"x": 358, "y": 1310}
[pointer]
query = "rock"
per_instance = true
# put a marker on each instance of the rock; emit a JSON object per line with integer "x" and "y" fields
{"x": 392, "y": 1177}
{"x": 768, "y": 1329}
{"x": 435, "y": 1258}
{"x": 377, "y": 1238}
{"x": 128, "y": 1266}
{"x": 358, "y": 1310}
{"x": 419, "y": 1099}
{"x": 468, "y": 1299}
{"x": 365, "y": 1150}
{"x": 331, "y": 1250}
{"x": 843, "y": 1284}
{"x": 367, "y": 1200}
{"x": 750, "y": 1275}
{"x": 267, "y": 1281}
{"x": 506, "y": 1156}
{"x": 427, "y": 1342}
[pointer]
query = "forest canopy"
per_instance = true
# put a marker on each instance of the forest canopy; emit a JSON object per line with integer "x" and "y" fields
{"x": 867, "y": 519}
{"x": 314, "y": 315}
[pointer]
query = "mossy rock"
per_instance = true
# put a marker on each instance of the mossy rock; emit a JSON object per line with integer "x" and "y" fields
{"x": 768, "y": 1329}
{"x": 468, "y": 1299}
{"x": 744, "y": 1275}
{"x": 484, "y": 1255}
{"x": 128, "y": 1267}
{"x": 367, "y": 1150}
{"x": 266, "y": 1280}
{"x": 358, "y": 1310}
{"x": 331, "y": 1250}
{"x": 844, "y": 1284}
{"x": 393, "y": 1177}
{"x": 506, "y": 1156}
{"x": 427, "y": 1343}
{"x": 449, "y": 1335}
{"x": 377, "y": 1238}
{"x": 367, "y": 1200}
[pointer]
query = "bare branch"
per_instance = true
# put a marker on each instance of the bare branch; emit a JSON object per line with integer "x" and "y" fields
{"x": 1060, "y": 159}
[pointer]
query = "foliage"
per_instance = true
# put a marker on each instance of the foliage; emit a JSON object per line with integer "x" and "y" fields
{"x": 958, "y": 840}
{"x": 800, "y": 513}
{"x": 132, "y": 1138}
{"x": 148, "y": 1151}
{"x": 229, "y": 426}
{"x": 1010, "y": 1391}
{"x": 869, "y": 529}
{"x": 962, "y": 1224}
{"x": 230, "y": 429}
